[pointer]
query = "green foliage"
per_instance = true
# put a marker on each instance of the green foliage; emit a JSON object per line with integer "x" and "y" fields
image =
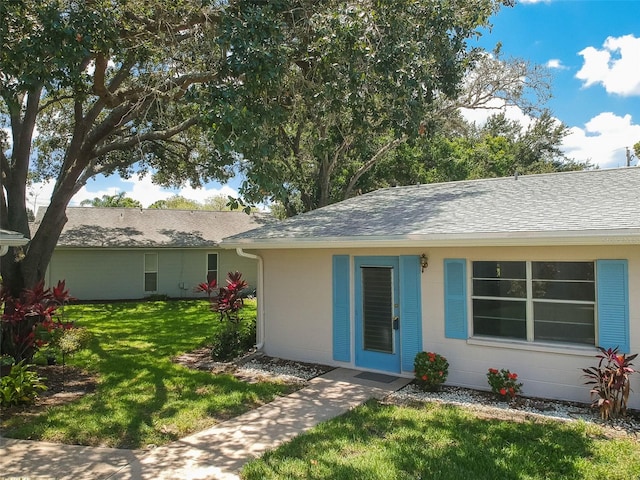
{"x": 431, "y": 370}
{"x": 232, "y": 341}
{"x": 215, "y": 203}
{"x": 504, "y": 383}
{"x": 20, "y": 386}
{"x": 610, "y": 381}
{"x": 73, "y": 340}
{"x": 347, "y": 84}
{"x": 119, "y": 200}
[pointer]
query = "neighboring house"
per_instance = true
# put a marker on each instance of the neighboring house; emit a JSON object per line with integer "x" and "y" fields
{"x": 528, "y": 273}
{"x": 9, "y": 238}
{"x": 129, "y": 253}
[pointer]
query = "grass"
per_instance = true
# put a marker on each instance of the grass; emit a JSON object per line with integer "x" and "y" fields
{"x": 442, "y": 442}
{"x": 144, "y": 398}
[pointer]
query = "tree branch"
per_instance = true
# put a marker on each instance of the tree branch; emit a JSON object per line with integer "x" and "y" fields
{"x": 370, "y": 163}
{"x": 150, "y": 136}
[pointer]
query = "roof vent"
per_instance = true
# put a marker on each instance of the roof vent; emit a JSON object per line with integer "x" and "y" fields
{"x": 515, "y": 176}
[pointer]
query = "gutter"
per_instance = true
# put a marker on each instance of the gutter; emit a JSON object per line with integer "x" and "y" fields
{"x": 259, "y": 297}
{"x": 11, "y": 239}
{"x": 501, "y": 239}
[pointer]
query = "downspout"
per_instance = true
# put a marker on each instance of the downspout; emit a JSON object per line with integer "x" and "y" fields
{"x": 259, "y": 297}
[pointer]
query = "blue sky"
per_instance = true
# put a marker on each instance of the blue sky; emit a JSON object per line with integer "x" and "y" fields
{"x": 592, "y": 48}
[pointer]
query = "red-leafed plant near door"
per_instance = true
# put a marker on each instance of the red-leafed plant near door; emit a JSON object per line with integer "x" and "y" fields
{"x": 610, "y": 380}
{"x": 234, "y": 338}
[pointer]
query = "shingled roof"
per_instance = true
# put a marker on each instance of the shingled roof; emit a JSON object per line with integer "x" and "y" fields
{"x": 90, "y": 227}
{"x": 585, "y": 207}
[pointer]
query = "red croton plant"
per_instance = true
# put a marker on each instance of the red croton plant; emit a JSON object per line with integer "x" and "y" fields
{"x": 228, "y": 300}
{"x": 28, "y": 320}
{"x": 610, "y": 381}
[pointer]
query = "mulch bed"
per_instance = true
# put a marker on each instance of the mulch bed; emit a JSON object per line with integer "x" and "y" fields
{"x": 64, "y": 384}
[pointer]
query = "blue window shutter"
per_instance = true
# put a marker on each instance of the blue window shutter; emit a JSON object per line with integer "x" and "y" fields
{"x": 341, "y": 309}
{"x": 613, "y": 304}
{"x": 410, "y": 309}
{"x": 455, "y": 298}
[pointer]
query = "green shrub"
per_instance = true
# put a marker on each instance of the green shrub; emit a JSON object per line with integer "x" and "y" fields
{"x": 20, "y": 386}
{"x": 73, "y": 339}
{"x": 233, "y": 340}
{"x": 504, "y": 383}
{"x": 431, "y": 370}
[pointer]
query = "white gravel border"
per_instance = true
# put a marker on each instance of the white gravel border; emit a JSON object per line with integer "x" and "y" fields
{"x": 287, "y": 373}
{"x": 528, "y": 407}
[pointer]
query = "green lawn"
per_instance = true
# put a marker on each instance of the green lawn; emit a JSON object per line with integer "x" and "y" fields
{"x": 444, "y": 442}
{"x": 142, "y": 397}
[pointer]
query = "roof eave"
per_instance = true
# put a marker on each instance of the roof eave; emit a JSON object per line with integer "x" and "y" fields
{"x": 502, "y": 239}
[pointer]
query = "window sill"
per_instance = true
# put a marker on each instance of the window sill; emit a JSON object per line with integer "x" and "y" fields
{"x": 564, "y": 349}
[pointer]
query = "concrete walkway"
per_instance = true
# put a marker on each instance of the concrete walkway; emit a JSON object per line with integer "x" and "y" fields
{"x": 216, "y": 453}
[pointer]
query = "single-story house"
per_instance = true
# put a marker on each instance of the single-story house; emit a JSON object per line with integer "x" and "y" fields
{"x": 527, "y": 273}
{"x": 9, "y": 238}
{"x": 130, "y": 253}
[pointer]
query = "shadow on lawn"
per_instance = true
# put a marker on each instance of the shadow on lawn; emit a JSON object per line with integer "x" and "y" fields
{"x": 379, "y": 441}
{"x": 142, "y": 397}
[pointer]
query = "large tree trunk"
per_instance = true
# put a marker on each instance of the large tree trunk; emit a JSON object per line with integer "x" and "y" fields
{"x": 23, "y": 114}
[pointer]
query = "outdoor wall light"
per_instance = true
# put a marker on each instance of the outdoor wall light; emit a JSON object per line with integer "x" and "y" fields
{"x": 424, "y": 262}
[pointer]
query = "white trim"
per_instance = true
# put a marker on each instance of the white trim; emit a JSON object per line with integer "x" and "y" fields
{"x": 560, "y": 348}
{"x": 585, "y": 237}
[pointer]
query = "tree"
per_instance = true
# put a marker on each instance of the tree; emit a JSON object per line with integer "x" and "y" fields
{"x": 360, "y": 79}
{"x": 112, "y": 86}
{"x": 501, "y": 147}
{"x": 118, "y": 200}
{"x": 215, "y": 203}
{"x": 176, "y": 202}
{"x": 305, "y": 96}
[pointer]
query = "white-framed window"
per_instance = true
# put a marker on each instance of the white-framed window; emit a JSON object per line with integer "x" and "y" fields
{"x": 534, "y": 301}
{"x": 212, "y": 266}
{"x": 150, "y": 272}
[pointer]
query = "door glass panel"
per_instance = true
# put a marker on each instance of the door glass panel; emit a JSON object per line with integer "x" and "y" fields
{"x": 377, "y": 308}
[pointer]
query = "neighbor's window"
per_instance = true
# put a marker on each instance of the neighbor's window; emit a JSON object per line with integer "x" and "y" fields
{"x": 212, "y": 266}
{"x": 535, "y": 301}
{"x": 150, "y": 272}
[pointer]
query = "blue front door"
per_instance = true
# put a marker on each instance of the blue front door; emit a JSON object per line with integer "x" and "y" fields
{"x": 377, "y": 308}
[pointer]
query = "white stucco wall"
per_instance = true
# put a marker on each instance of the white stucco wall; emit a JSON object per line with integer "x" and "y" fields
{"x": 298, "y": 317}
{"x": 115, "y": 274}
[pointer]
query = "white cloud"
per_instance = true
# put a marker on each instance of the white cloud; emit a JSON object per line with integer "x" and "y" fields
{"x": 615, "y": 66}
{"x": 138, "y": 188}
{"x": 556, "y": 64}
{"x": 479, "y": 116}
{"x": 146, "y": 192}
{"x": 603, "y": 140}
{"x": 534, "y": 1}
